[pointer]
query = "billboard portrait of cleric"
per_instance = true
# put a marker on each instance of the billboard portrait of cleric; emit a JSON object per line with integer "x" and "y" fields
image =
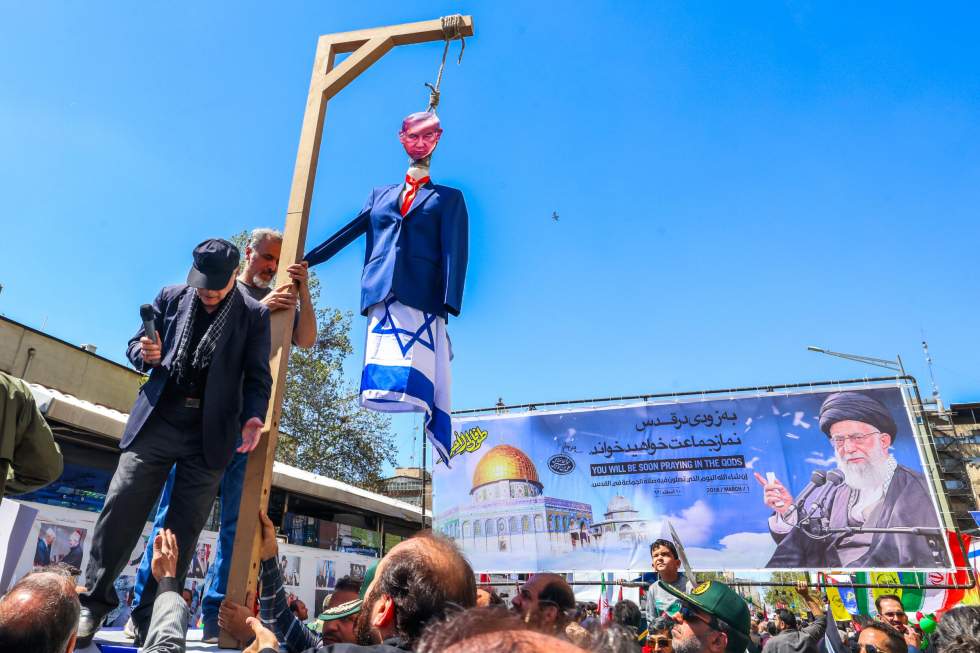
{"x": 869, "y": 513}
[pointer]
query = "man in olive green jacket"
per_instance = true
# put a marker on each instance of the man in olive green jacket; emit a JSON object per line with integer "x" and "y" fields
{"x": 29, "y": 457}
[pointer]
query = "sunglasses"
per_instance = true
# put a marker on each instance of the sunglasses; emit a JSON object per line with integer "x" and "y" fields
{"x": 659, "y": 643}
{"x": 865, "y": 648}
{"x": 689, "y": 613}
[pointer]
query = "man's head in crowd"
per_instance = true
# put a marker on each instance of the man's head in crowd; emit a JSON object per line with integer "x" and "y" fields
{"x": 785, "y": 620}
{"x": 487, "y": 596}
{"x": 340, "y": 612}
{"x": 40, "y": 613}
{"x": 660, "y": 635}
{"x": 711, "y": 619}
{"x": 959, "y": 630}
{"x": 262, "y": 257}
{"x": 663, "y": 556}
{"x": 543, "y": 602}
{"x": 488, "y": 630}
{"x": 298, "y": 608}
{"x": 188, "y": 596}
{"x": 890, "y": 611}
{"x": 627, "y": 614}
{"x": 413, "y": 584}
{"x": 883, "y": 637}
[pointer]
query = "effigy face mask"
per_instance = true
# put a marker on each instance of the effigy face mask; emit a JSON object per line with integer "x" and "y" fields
{"x": 420, "y": 134}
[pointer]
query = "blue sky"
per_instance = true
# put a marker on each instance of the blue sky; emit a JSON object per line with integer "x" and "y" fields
{"x": 735, "y": 182}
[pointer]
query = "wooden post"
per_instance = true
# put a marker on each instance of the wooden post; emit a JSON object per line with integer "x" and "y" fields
{"x": 365, "y": 47}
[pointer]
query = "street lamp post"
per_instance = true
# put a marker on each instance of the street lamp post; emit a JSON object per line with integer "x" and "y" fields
{"x": 894, "y": 365}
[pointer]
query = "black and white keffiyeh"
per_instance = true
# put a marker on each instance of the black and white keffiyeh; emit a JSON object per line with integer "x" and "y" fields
{"x": 186, "y": 363}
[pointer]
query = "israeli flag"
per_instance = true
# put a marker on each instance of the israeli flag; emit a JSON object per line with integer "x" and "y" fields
{"x": 406, "y": 368}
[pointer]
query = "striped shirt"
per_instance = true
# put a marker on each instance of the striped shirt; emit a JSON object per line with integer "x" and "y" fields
{"x": 275, "y": 614}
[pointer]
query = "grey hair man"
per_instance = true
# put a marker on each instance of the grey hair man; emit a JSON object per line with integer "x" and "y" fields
{"x": 40, "y": 612}
{"x": 259, "y": 268}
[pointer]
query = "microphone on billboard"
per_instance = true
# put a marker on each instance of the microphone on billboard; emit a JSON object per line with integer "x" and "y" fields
{"x": 817, "y": 479}
{"x": 834, "y": 478}
{"x": 149, "y": 325}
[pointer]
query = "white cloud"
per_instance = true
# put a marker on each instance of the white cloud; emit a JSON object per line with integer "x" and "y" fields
{"x": 750, "y": 464}
{"x": 738, "y": 551}
{"x": 694, "y": 524}
{"x": 792, "y": 436}
{"x": 816, "y": 458}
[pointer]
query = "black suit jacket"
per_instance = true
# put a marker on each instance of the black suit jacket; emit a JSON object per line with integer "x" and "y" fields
{"x": 239, "y": 381}
{"x": 906, "y": 503}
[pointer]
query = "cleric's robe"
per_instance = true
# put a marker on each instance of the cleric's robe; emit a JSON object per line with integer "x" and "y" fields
{"x": 906, "y": 503}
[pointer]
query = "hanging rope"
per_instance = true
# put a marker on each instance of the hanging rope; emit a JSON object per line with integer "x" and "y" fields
{"x": 451, "y": 30}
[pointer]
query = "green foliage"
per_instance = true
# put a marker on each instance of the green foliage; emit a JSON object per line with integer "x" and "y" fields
{"x": 322, "y": 428}
{"x": 786, "y": 595}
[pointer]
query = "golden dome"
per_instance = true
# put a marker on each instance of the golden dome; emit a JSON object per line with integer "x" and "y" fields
{"x": 504, "y": 463}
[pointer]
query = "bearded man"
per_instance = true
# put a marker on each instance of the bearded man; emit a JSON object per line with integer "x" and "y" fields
{"x": 877, "y": 493}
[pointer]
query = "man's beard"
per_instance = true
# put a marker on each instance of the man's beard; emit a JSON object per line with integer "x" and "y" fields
{"x": 259, "y": 282}
{"x": 866, "y": 475}
{"x": 689, "y": 645}
{"x": 363, "y": 633}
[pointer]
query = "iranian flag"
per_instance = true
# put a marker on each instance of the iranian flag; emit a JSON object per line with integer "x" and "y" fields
{"x": 605, "y": 600}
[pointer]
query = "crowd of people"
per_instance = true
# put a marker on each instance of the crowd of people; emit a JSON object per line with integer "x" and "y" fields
{"x": 423, "y": 596}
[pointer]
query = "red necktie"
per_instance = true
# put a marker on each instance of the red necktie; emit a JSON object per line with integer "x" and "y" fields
{"x": 410, "y": 195}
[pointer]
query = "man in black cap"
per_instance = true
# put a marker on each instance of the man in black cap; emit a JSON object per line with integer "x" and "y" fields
{"x": 876, "y": 493}
{"x": 208, "y": 386}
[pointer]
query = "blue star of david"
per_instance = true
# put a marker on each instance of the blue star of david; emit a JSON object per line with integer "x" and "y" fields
{"x": 387, "y": 327}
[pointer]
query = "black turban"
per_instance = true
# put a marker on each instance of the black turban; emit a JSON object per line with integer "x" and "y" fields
{"x": 858, "y": 407}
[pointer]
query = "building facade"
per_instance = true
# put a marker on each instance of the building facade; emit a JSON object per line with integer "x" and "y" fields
{"x": 510, "y": 512}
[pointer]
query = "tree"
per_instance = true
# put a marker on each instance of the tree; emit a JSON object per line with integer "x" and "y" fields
{"x": 786, "y": 595}
{"x": 323, "y": 429}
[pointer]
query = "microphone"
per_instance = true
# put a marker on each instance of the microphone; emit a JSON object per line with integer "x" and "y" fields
{"x": 817, "y": 479}
{"x": 149, "y": 325}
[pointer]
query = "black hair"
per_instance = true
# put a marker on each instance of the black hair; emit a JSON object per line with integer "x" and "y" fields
{"x": 883, "y": 597}
{"x": 347, "y": 584}
{"x": 666, "y": 544}
{"x": 896, "y": 643}
{"x": 422, "y": 583}
{"x": 557, "y": 591}
{"x": 786, "y": 617}
{"x": 959, "y": 630}
{"x": 52, "y": 616}
{"x": 771, "y": 629}
{"x": 614, "y": 639}
{"x": 626, "y": 613}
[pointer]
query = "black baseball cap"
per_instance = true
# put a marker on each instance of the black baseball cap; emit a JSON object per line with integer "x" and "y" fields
{"x": 215, "y": 260}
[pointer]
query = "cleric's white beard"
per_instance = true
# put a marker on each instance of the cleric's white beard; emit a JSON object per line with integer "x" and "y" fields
{"x": 867, "y": 475}
{"x": 259, "y": 282}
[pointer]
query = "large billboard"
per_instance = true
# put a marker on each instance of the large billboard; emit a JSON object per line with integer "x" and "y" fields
{"x": 799, "y": 480}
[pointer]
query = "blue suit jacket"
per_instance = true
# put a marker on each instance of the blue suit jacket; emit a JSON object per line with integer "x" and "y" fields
{"x": 239, "y": 381}
{"x": 420, "y": 258}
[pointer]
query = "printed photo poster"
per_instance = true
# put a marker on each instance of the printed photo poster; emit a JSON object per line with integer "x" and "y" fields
{"x": 325, "y": 577}
{"x": 781, "y": 480}
{"x": 357, "y": 571}
{"x": 200, "y": 562}
{"x": 289, "y": 568}
{"x": 60, "y": 544}
{"x": 125, "y": 592}
{"x": 320, "y": 598}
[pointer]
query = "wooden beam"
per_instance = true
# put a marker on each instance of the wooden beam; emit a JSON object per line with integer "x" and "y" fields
{"x": 366, "y": 47}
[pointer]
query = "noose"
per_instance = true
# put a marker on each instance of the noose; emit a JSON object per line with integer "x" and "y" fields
{"x": 451, "y": 26}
